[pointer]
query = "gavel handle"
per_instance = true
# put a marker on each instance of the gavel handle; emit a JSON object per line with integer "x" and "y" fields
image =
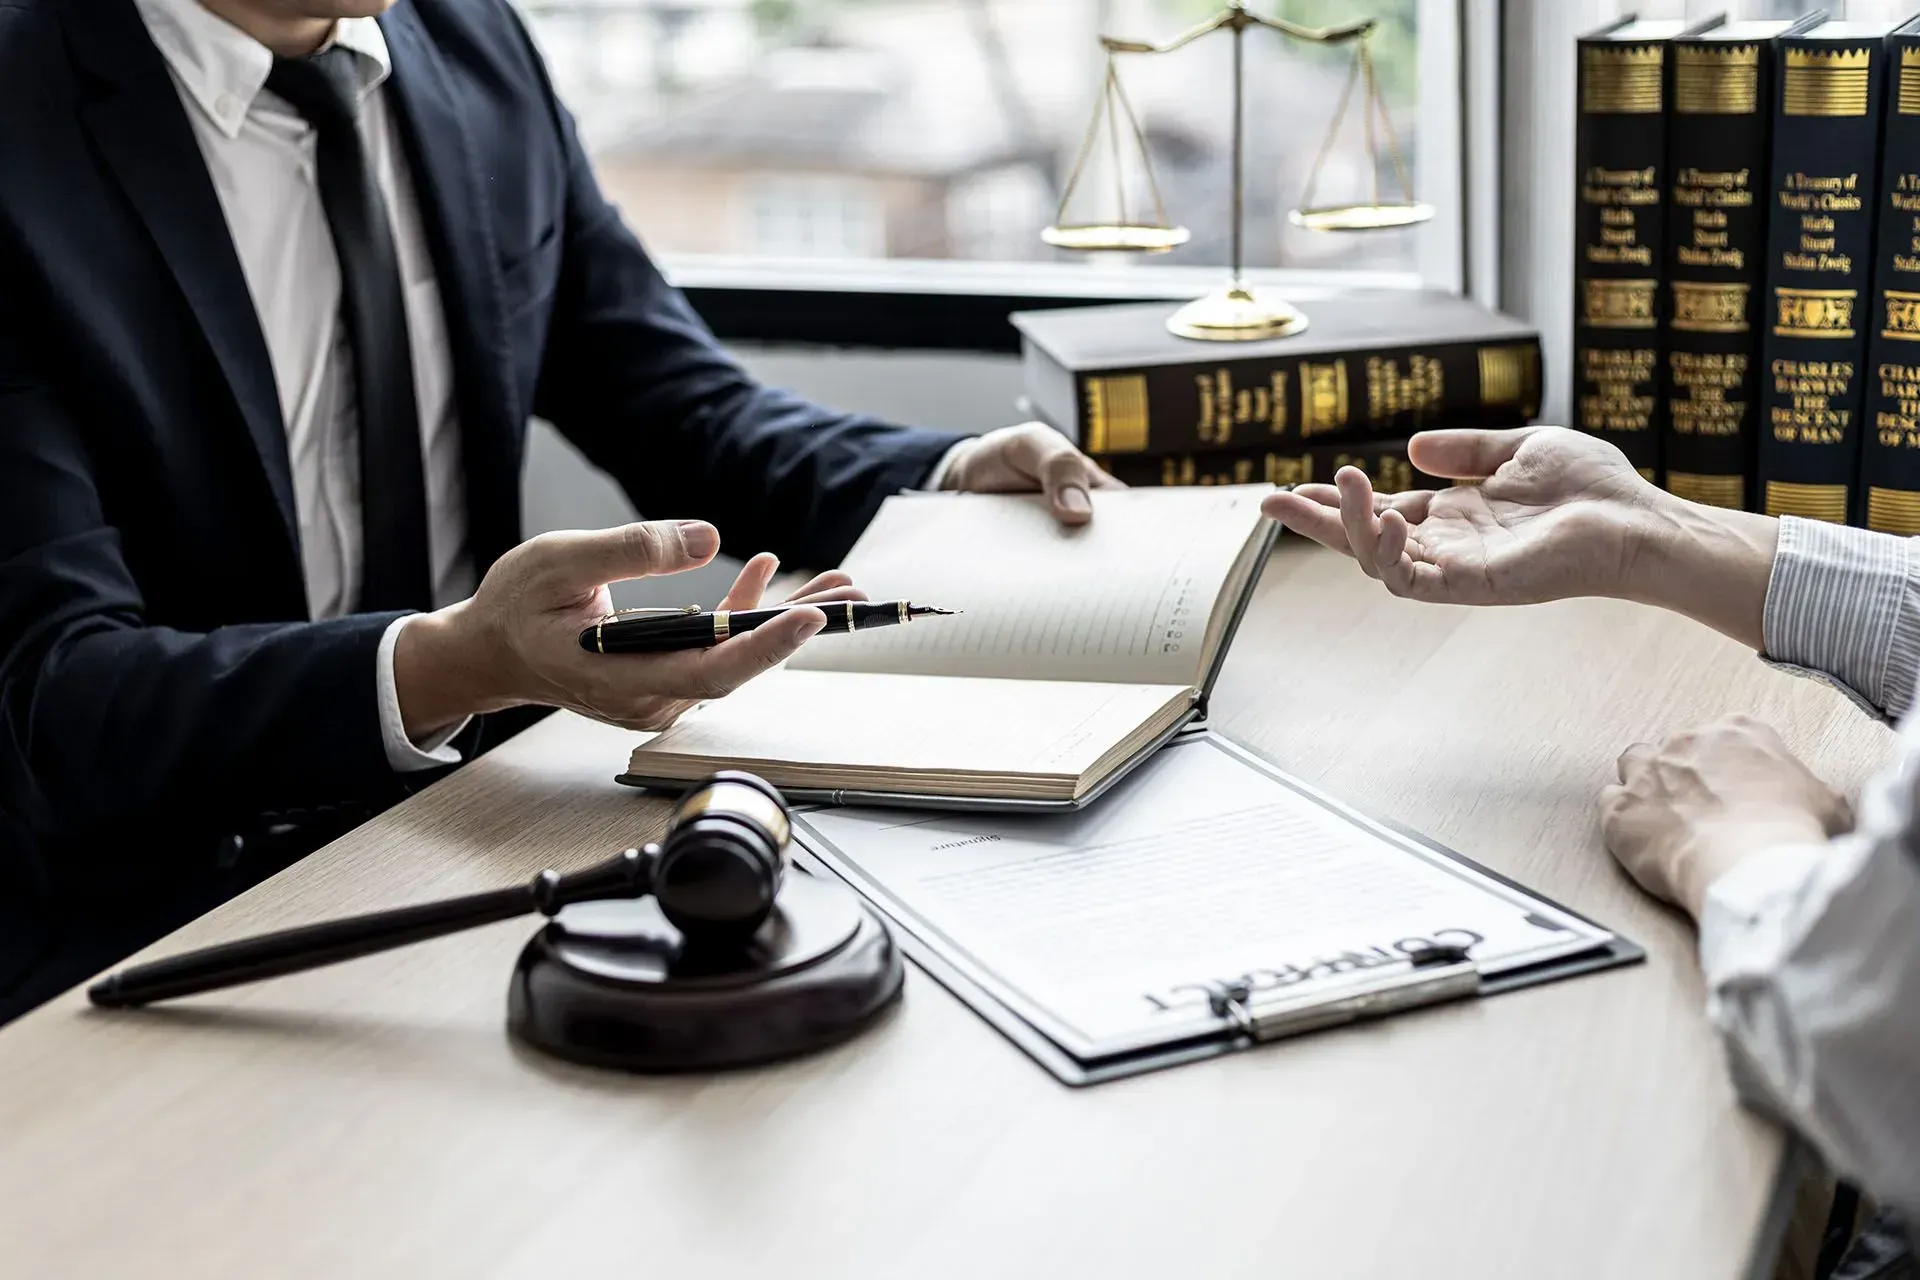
{"x": 311, "y": 946}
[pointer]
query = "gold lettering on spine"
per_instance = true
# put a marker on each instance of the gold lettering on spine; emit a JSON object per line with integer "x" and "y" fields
{"x": 1419, "y": 388}
{"x": 1909, "y": 95}
{"x": 1622, "y": 396}
{"x": 1116, "y": 414}
{"x": 1323, "y": 397}
{"x": 1619, "y": 304}
{"x": 1709, "y": 308}
{"x": 1819, "y": 83}
{"x": 1716, "y": 80}
{"x": 1903, "y": 316}
{"x": 1826, "y": 502}
{"x": 1814, "y": 313}
{"x": 1712, "y": 491}
{"x": 1622, "y": 81}
{"x": 1509, "y": 376}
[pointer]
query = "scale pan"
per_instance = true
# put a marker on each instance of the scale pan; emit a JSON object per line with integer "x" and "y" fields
{"x": 1360, "y": 217}
{"x": 1123, "y": 237}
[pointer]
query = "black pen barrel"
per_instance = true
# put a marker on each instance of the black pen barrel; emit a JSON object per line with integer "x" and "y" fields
{"x": 666, "y": 633}
{"x": 307, "y": 947}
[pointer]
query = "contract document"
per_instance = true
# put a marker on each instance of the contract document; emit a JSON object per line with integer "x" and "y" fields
{"x": 1208, "y": 901}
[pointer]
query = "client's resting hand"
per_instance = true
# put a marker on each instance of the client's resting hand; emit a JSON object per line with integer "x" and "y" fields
{"x": 516, "y": 641}
{"x": 1687, "y": 810}
{"x": 1556, "y": 514}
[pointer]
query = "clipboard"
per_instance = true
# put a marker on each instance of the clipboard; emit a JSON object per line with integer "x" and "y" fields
{"x": 1194, "y": 717}
{"x": 1244, "y": 1019}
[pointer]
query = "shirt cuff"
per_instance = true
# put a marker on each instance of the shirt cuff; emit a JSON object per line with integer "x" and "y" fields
{"x": 403, "y": 754}
{"x": 1844, "y": 604}
{"x": 1743, "y": 920}
{"x": 938, "y": 476}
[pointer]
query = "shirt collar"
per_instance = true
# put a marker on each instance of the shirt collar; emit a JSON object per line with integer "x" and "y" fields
{"x": 223, "y": 69}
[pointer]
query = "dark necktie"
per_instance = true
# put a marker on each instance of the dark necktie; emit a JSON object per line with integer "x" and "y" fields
{"x": 393, "y": 503}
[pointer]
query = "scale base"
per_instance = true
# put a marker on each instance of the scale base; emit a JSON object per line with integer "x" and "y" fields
{"x": 612, "y": 984}
{"x": 1236, "y": 313}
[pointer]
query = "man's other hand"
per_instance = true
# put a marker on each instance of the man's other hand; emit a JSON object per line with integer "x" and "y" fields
{"x": 1028, "y": 457}
{"x": 517, "y": 640}
{"x": 1685, "y": 811}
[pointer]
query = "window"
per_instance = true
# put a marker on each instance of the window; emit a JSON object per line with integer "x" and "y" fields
{"x": 945, "y": 129}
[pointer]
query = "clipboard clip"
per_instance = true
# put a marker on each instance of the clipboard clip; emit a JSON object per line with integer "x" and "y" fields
{"x": 1431, "y": 975}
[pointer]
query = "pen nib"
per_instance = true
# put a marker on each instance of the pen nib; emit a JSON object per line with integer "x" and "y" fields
{"x": 923, "y": 610}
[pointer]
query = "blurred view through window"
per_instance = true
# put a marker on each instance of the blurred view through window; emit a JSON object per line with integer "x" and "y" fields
{"x": 944, "y": 129}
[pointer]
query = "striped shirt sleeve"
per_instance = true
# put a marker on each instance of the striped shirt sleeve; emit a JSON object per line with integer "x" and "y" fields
{"x": 1843, "y": 605}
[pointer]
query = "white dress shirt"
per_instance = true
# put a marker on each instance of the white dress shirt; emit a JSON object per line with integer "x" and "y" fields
{"x": 260, "y": 154}
{"x": 1812, "y": 952}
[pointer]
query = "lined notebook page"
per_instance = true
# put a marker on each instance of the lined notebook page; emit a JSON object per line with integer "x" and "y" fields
{"x": 1127, "y": 598}
{"x": 883, "y": 726}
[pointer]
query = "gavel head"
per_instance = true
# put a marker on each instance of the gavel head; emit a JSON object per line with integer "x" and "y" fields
{"x": 722, "y": 859}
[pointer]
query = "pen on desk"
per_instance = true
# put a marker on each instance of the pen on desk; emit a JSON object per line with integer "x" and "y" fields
{"x": 665, "y": 630}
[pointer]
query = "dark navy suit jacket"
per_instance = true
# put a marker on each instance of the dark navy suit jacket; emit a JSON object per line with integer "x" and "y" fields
{"x": 160, "y": 683}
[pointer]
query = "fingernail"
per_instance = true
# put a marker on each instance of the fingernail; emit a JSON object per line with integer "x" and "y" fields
{"x": 699, "y": 537}
{"x": 810, "y": 626}
{"x": 1073, "y": 498}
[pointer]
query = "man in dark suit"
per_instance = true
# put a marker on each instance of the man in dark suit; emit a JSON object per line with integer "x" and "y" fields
{"x": 280, "y": 283}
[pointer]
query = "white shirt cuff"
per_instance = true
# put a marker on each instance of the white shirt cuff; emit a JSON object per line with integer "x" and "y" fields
{"x": 403, "y": 754}
{"x": 947, "y": 459}
{"x": 1744, "y": 920}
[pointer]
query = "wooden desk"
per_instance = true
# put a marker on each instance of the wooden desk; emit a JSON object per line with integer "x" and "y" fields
{"x": 373, "y": 1120}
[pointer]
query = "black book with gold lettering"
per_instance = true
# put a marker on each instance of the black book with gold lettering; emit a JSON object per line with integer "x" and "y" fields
{"x": 1619, "y": 240}
{"x": 1890, "y": 434}
{"x": 1368, "y": 366}
{"x": 1384, "y": 462}
{"x": 1826, "y": 131}
{"x": 1719, "y": 117}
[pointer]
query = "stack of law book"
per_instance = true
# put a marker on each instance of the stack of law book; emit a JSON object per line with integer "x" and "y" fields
{"x": 1370, "y": 369}
{"x": 1747, "y": 261}
{"x": 1074, "y": 655}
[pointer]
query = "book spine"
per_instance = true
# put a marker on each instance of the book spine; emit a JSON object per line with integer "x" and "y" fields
{"x": 1384, "y": 461}
{"x": 1717, "y": 152}
{"x": 1826, "y": 129}
{"x": 1620, "y": 163}
{"x": 1218, "y": 404}
{"x": 1890, "y": 435}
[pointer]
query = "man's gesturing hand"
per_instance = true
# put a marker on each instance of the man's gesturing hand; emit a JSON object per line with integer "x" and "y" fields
{"x": 1685, "y": 811}
{"x": 517, "y": 640}
{"x": 1030, "y": 456}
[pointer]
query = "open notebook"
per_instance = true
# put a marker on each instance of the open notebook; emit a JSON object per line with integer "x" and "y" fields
{"x": 1077, "y": 652}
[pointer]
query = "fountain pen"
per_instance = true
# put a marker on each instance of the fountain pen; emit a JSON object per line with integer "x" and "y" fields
{"x": 664, "y": 630}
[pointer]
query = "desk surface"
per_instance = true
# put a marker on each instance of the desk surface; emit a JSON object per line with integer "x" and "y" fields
{"x": 373, "y": 1119}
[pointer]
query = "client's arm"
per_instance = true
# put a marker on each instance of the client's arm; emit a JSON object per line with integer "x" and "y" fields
{"x": 1556, "y": 514}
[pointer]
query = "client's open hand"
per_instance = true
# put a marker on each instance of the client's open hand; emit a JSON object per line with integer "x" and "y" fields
{"x": 1027, "y": 457}
{"x": 517, "y": 640}
{"x": 1557, "y": 514}
{"x": 1685, "y": 811}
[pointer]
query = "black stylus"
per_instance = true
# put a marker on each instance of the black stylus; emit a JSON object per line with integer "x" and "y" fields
{"x": 665, "y": 630}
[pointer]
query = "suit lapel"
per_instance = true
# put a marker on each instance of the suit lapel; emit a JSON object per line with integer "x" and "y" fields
{"x": 448, "y": 177}
{"x": 141, "y": 129}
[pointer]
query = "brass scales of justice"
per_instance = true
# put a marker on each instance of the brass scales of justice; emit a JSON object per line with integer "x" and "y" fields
{"x": 1236, "y": 311}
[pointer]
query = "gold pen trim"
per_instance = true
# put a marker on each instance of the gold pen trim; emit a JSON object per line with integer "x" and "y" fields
{"x": 903, "y": 611}
{"x": 849, "y": 617}
{"x": 600, "y": 636}
{"x": 722, "y": 626}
